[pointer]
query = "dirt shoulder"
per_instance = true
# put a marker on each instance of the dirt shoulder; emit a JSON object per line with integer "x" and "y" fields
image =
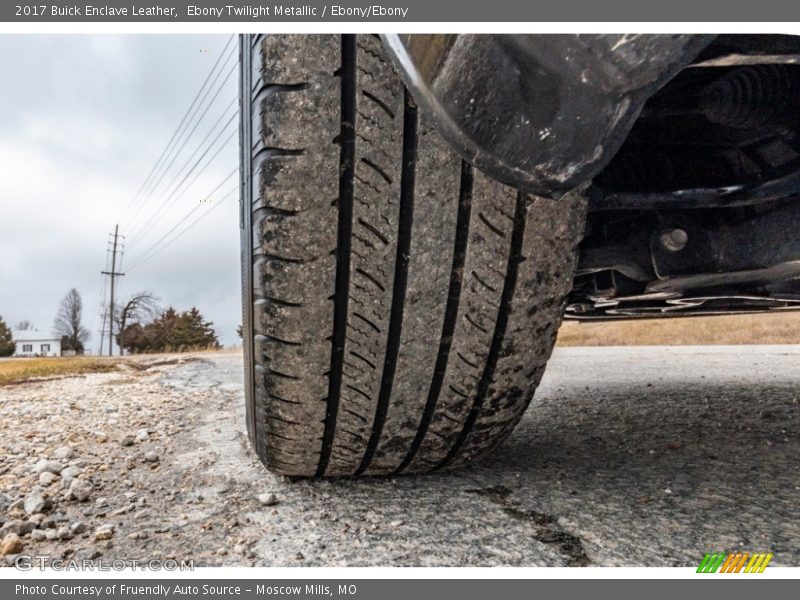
{"x": 82, "y": 469}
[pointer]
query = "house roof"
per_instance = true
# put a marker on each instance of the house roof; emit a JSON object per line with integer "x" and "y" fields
{"x": 33, "y": 335}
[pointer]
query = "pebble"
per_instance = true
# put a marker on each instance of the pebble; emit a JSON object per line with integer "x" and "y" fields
{"x": 38, "y": 535}
{"x": 88, "y": 554}
{"x": 78, "y": 527}
{"x": 47, "y": 478}
{"x": 63, "y": 453}
{"x": 142, "y": 435}
{"x": 151, "y": 457}
{"x": 104, "y": 532}
{"x": 51, "y": 535}
{"x": 121, "y": 511}
{"x": 36, "y": 501}
{"x": 18, "y": 527}
{"x": 63, "y": 533}
{"x": 11, "y": 544}
{"x": 145, "y": 513}
{"x": 20, "y": 470}
{"x": 68, "y": 474}
{"x": 49, "y": 466}
{"x": 126, "y": 440}
{"x": 80, "y": 490}
{"x": 269, "y": 499}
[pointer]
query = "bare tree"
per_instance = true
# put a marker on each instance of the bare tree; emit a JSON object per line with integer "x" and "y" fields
{"x": 140, "y": 307}
{"x": 24, "y": 325}
{"x": 69, "y": 324}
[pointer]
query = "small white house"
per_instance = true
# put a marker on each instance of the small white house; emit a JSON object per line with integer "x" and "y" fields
{"x": 33, "y": 342}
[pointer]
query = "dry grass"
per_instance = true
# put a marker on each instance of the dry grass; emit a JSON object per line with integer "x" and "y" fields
{"x": 771, "y": 328}
{"x": 19, "y": 370}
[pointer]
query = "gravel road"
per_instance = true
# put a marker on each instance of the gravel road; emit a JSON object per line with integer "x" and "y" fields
{"x": 627, "y": 456}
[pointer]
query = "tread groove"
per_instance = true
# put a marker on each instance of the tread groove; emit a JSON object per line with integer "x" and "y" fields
{"x": 369, "y": 277}
{"x": 364, "y": 319}
{"x": 282, "y": 399}
{"x": 355, "y": 414}
{"x": 377, "y": 169}
{"x": 466, "y": 360}
{"x": 400, "y": 284}
{"x": 374, "y": 230}
{"x": 450, "y": 313}
{"x": 380, "y": 103}
{"x": 483, "y": 283}
{"x": 372, "y": 365}
{"x": 271, "y": 371}
{"x": 501, "y": 323}
{"x": 472, "y": 322}
{"x": 491, "y": 225}
{"x": 344, "y": 230}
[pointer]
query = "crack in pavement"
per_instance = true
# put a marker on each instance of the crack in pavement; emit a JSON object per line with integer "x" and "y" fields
{"x": 545, "y": 528}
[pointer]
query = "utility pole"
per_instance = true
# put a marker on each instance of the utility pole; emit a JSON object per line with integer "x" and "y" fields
{"x": 113, "y": 274}
{"x": 102, "y": 333}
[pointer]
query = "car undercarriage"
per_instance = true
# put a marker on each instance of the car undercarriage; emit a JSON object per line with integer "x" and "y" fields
{"x": 691, "y": 158}
{"x": 697, "y": 212}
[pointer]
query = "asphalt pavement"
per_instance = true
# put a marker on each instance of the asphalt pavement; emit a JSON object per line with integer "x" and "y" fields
{"x": 638, "y": 456}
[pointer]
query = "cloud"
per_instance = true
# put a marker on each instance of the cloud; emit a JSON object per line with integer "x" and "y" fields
{"x": 82, "y": 121}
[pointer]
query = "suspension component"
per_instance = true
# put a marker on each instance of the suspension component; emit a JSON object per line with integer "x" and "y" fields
{"x": 753, "y": 96}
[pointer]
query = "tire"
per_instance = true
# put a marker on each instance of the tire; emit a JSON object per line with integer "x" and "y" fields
{"x": 399, "y": 306}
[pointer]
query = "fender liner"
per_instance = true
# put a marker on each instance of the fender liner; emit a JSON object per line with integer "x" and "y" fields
{"x": 543, "y": 113}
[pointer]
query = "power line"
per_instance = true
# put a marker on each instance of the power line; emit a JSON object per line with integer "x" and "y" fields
{"x": 176, "y": 133}
{"x": 184, "y": 140}
{"x": 158, "y": 162}
{"x": 145, "y": 258}
{"x": 146, "y": 254}
{"x": 164, "y": 204}
{"x": 210, "y": 131}
{"x": 139, "y": 226}
{"x": 210, "y": 160}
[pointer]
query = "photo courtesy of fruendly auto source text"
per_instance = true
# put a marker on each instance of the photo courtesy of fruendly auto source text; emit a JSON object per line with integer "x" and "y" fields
{"x": 368, "y": 300}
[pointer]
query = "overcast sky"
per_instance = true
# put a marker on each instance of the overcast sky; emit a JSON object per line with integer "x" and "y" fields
{"x": 83, "y": 119}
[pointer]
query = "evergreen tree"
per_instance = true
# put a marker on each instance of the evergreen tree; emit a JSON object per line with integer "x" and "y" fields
{"x": 7, "y": 345}
{"x": 170, "y": 332}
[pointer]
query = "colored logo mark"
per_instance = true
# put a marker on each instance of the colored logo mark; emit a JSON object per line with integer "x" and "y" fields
{"x": 743, "y": 562}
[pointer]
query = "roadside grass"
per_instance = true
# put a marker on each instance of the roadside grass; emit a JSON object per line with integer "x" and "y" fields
{"x": 766, "y": 328}
{"x": 20, "y": 370}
